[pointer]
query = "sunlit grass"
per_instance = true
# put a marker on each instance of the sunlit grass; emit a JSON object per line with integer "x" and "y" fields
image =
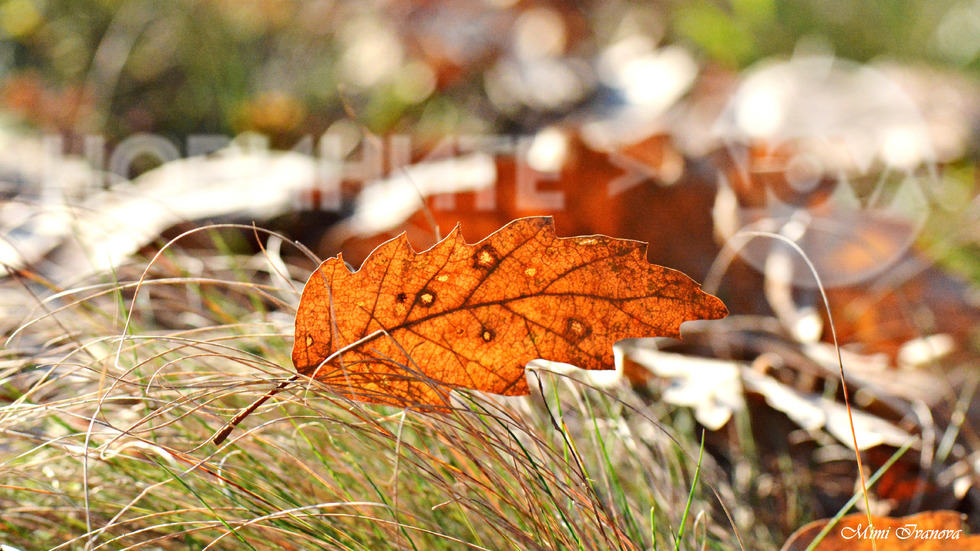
{"x": 107, "y": 424}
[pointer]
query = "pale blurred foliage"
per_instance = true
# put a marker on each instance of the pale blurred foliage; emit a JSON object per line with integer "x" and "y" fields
{"x": 292, "y": 68}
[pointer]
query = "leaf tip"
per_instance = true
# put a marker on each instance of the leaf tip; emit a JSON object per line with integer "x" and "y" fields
{"x": 330, "y": 264}
{"x": 454, "y": 233}
{"x": 715, "y": 307}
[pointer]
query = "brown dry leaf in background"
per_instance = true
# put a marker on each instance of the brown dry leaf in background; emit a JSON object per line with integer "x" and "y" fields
{"x": 473, "y": 316}
{"x": 602, "y": 192}
{"x": 930, "y": 531}
{"x": 642, "y": 191}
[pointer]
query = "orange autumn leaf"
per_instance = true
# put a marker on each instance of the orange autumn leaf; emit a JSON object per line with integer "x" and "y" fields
{"x": 929, "y": 531}
{"x": 408, "y": 324}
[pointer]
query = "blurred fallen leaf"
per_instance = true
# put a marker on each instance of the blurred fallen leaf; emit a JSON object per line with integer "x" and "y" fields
{"x": 711, "y": 387}
{"x": 92, "y": 234}
{"x": 714, "y": 388}
{"x": 913, "y": 300}
{"x": 811, "y": 412}
{"x": 611, "y": 191}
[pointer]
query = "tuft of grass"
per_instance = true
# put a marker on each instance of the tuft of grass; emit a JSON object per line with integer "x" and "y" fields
{"x": 112, "y": 389}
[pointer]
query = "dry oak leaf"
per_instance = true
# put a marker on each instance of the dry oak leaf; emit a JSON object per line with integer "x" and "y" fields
{"x": 407, "y": 326}
{"x": 928, "y": 531}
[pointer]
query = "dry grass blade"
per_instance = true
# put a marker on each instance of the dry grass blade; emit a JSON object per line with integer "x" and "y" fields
{"x": 139, "y": 411}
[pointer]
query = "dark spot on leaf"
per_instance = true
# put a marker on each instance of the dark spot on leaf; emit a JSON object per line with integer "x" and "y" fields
{"x": 576, "y": 330}
{"x": 485, "y": 257}
{"x": 425, "y": 298}
{"x": 487, "y": 334}
{"x": 401, "y": 298}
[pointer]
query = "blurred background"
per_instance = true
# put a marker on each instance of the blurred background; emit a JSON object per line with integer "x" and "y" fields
{"x": 288, "y": 68}
{"x": 124, "y": 86}
{"x": 850, "y": 128}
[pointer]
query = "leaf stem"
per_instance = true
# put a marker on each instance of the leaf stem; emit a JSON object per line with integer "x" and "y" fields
{"x": 222, "y": 434}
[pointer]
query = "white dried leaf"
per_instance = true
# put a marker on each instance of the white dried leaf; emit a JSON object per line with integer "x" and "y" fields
{"x": 711, "y": 387}
{"x": 714, "y": 389}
